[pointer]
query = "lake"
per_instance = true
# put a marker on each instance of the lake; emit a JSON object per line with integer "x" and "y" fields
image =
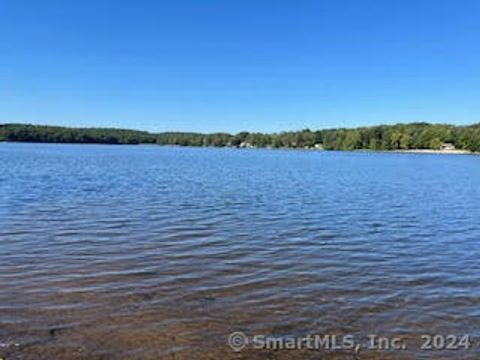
{"x": 148, "y": 252}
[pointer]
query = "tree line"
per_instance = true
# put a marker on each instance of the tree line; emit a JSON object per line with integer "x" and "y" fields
{"x": 383, "y": 137}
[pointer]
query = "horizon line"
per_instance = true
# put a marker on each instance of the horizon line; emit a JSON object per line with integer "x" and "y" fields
{"x": 242, "y": 131}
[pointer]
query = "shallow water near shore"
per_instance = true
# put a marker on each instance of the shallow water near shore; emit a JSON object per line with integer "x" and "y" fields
{"x": 145, "y": 252}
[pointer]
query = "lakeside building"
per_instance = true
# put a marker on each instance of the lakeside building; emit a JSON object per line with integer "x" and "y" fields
{"x": 447, "y": 147}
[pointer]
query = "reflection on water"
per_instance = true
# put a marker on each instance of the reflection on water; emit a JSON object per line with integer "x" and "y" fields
{"x": 143, "y": 252}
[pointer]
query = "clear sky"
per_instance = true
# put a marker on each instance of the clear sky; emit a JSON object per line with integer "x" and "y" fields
{"x": 228, "y": 65}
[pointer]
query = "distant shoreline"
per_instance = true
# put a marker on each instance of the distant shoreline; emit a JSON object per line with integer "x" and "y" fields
{"x": 417, "y": 138}
{"x": 410, "y": 151}
{"x": 433, "y": 151}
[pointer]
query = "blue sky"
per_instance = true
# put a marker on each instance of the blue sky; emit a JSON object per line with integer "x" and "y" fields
{"x": 203, "y": 65}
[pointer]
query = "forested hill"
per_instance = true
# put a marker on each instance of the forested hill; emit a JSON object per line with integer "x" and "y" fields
{"x": 383, "y": 137}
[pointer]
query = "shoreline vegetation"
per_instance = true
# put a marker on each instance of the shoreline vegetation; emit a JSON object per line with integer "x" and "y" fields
{"x": 403, "y": 138}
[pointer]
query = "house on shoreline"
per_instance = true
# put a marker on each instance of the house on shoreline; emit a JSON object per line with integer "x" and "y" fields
{"x": 447, "y": 147}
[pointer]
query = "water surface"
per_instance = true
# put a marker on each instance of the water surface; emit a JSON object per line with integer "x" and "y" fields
{"x": 146, "y": 252}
